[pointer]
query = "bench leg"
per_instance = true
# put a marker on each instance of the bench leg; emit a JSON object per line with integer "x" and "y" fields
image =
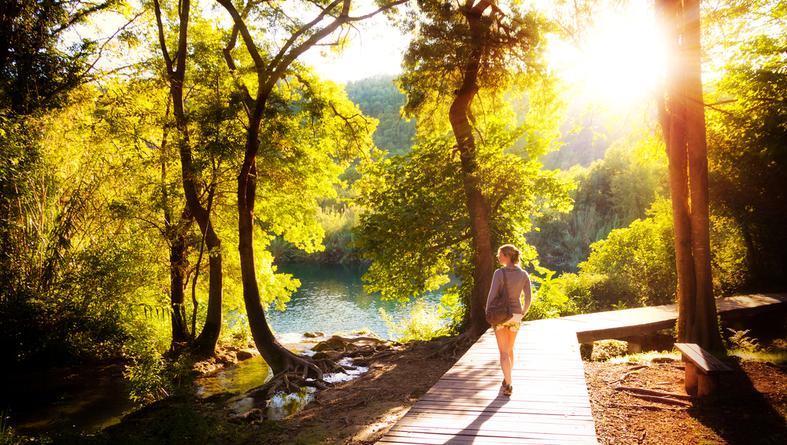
{"x": 691, "y": 379}
{"x": 707, "y": 384}
{"x": 634, "y": 344}
{"x": 586, "y": 350}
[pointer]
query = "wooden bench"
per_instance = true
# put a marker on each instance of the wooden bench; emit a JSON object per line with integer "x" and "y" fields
{"x": 702, "y": 369}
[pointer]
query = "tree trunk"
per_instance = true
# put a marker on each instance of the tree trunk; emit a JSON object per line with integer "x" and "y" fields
{"x": 678, "y": 179}
{"x": 275, "y": 355}
{"x": 477, "y": 207}
{"x": 683, "y": 124}
{"x": 175, "y": 235}
{"x": 206, "y": 342}
{"x": 705, "y": 329}
{"x": 177, "y": 272}
{"x": 675, "y": 138}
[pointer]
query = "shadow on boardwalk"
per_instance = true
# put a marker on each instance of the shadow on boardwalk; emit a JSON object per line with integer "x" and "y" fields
{"x": 467, "y": 435}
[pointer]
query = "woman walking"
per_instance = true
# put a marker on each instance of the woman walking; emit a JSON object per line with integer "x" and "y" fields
{"x": 516, "y": 281}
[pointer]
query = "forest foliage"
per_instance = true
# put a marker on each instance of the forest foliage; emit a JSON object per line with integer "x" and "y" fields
{"x": 89, "y": 167}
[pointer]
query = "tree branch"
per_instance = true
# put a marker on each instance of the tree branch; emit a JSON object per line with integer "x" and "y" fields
{"x": 305, "y": 28}
{"x": 161, "y": 39}
{"x": 79, "y": 15}
{"x": 259, "y": 64}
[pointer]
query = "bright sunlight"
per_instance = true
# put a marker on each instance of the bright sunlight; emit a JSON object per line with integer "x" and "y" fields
{"x": 618, "y": 62}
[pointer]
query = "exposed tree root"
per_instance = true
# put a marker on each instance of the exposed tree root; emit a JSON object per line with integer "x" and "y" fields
{"x": 291, "y": 380}
{"x": 644, "y": 407}
{"x": 303, "y": 371}
{"x": 656, "y": 396}
{"x": 632, "y": 371}
{"x": 456, "y": 346}
{"x": 653, "y": 392}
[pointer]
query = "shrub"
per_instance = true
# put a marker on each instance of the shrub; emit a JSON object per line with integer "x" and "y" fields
{"x": 581, "y": 288}
{"x": 729, "y": 256}
{"x": 549, "y": 299}
{"x": 606, "y": 349}
{"x": 638, "y": 261}
{"x": 741, "y": 340}
{"x": 635, "y": 265}
{"x": 145, "y": 373}
{"x": 425, "y": 321}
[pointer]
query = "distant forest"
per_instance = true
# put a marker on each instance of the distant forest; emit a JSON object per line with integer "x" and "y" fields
{"x": 379, "y": 97}
{"x": 583, "y": 138}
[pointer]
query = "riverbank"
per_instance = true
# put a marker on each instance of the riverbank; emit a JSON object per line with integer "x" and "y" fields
{"x": 358, "y": 411}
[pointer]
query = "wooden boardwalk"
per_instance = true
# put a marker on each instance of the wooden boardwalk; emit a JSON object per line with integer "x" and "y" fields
{"x": 550, "y": 404}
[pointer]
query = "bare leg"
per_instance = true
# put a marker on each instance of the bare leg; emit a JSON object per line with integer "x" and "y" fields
{"x": 511, "y": 341}
{"x": 503, "y": 347}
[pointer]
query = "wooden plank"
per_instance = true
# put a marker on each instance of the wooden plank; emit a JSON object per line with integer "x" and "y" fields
{"x": 525, "y": 406}
{"x": 505, "y": 413}
{"x": 704, "y": 360}
{"x": 496, "y": 425}
{"x": 497, "y": 429}
{"x": 631, "y": 322}
{"x": 411, "y": 437}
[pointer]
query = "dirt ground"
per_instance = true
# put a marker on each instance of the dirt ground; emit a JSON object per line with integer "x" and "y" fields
{"x": 750, "y": 406}
{"x": 362, "y": 410}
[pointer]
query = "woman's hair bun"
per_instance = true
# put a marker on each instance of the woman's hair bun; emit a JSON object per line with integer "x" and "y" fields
{"x": 510, "y": 251}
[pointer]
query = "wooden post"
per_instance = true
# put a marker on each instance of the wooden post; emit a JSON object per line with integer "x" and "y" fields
{"x": 691, "y": 378}
{"x": 586, "y": 350}
{"x": 707, "y": 384}
{"x": 634, "y": 344}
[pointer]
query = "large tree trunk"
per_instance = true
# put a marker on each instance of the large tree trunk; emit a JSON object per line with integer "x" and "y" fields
{"x": 683, "y": 124}
{"x": 275, "y": 355}
{"x": 705, "y": 328}
{"x": 477, "y": 207}
{"x": 673, "y": 125}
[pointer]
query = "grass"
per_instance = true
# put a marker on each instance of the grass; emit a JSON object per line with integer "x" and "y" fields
{"x": 643, "y": 357}
{"x": 778, "y": 357}
{"x": 7, "y": 435}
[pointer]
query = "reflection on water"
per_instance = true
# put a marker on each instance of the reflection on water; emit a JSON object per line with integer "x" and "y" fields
{"x": 235, "y": 379}
{"x": 331, "y": 300}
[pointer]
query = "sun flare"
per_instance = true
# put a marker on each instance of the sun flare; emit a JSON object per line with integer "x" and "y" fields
{"x": 617, "y": 63}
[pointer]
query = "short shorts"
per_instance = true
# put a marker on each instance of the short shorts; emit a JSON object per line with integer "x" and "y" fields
{"x": 512, "y": 324}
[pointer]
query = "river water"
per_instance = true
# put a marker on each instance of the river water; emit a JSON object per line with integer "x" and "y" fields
{"x": 330, "y": 300}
